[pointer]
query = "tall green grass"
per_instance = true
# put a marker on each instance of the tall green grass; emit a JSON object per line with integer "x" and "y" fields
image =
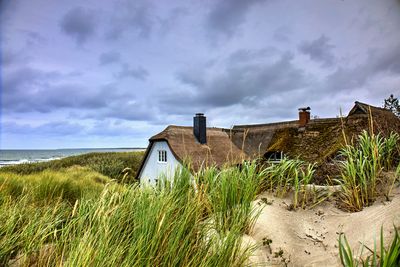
{"x": 384, "y": 257}
{"x": 111, "y": 164}
{"x": 68, "y": 184}
{"x": 363, "y": 166}
{"x": 290, "y": 175}
{"x": 391, "y": 151}
{"x": 25, "y": 228}
{"x": 230, "y": 193}
{"x": 179, "y": 222}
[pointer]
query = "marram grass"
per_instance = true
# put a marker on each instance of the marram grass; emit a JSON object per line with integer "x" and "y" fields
{"x": 384, "y": 256}
{"x": 289, "y": 175}
{"x": 184, "y": 222}
{"x": 121, "y": 166}
{"x": 229, "y": 193}
{"x": 363, "y": 166}
{"x": 69, "y": 184}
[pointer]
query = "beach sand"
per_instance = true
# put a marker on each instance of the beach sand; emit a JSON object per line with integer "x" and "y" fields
{"x": 310, "y": 237}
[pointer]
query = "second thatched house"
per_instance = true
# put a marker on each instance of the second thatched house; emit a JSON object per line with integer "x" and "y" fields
{"x": 312, "y": 140}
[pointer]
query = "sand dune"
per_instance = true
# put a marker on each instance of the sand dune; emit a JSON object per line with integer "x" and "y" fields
{"x": 310, "y": 237}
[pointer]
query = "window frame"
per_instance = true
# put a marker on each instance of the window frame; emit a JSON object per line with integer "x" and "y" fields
{"x": 162, "y": 156}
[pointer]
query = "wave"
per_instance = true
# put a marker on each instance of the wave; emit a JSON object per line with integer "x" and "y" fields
{"x": 7, "y": 162}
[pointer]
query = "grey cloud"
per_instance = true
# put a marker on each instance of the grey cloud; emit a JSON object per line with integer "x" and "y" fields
{"x": 246, "y": 55}
{"x": 74, "y": 73}
{"x": 33, "y": 38}
{"x": 132, "y": 16}
{"x": 282, "y": 34}
{"x": 79, "y": 23}
{"x": 21, "y": 79}
{"x": 28, "y": 89}
{"x": 193, "y": 76}
{"x": 31, "y": 90}
{"x": 168, "y": 23}
{"x": 12, "y": 58}
{"x": 126, "y": 108}
{"x": 60, "y": 128}
{"x": 227, "y": 15}
{"x": 69, "y": 95}
{"x": 386, "y": 60}
{"x": 319, "y": 50}
{"x": 109, "y": 57}
{"x": 138, "y": 73}
{"x": 250, "y": 82}
{"x": 7, "y": 58}
{"x": 346, "y": 78}
{"x": 378, "y": 62}
{"x": 7, "y": 10}
{"x": 114, "y": 128}
{"x": 245, "y": 84}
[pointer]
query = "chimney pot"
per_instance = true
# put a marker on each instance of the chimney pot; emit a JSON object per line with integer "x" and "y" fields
{"x": 304, "y": 116}
{"x": 200, "y": 128}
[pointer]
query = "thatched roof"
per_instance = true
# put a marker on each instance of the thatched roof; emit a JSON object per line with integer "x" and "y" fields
{"x": 384, "y": 121}
{"x": 255, "y": 139}
{"x": 318, "y": 141}
{"x": 218, "y": 151}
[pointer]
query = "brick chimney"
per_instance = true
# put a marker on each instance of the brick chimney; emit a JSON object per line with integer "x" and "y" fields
{"x": 200, "y": 128}
{"x": 304, "y": 116}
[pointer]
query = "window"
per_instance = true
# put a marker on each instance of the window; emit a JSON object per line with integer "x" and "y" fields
{"x": 274, "y": 156}
{"x": 162, "y": 156}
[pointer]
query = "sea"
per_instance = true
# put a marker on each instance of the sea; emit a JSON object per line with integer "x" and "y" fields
{"x": 18, "y": 156}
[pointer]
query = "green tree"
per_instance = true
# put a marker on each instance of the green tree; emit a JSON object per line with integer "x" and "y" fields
{"x": 392, "y": 104}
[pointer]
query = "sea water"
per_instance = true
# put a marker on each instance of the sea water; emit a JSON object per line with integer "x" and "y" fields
{"x": 17, "y": 156}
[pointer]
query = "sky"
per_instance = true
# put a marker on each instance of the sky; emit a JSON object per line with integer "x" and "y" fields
{"x": 113, "y": 73}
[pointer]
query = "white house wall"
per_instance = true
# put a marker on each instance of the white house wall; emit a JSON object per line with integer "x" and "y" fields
{"x": 153, "y": 169}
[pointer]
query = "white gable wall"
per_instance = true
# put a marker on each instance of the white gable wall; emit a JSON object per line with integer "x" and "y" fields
{"x": 152, "y": 168}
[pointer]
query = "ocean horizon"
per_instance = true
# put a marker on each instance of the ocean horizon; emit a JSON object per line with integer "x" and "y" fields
{"x": 18, "y": 156}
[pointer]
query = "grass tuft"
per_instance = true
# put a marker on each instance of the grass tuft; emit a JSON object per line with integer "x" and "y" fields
{"x": 386, "y": 256}
{"x": 290, "y": 175}
{"x": 363, "y": 166}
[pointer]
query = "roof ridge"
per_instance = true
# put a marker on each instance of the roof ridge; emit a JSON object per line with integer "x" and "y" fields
{"x": 265, "y": 124}
{"x": 191, "y": 127}
{"x": 365, "y": 104}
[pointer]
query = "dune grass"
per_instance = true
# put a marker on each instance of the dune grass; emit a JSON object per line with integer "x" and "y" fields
{"x": 385, "y": 256}
{"x": 186, "y": 221}
{"x": 362, "y": 168}
{"x": 111, "y": 164}
{"x": 289, "y": 175}
{"x": 61, "y": 214}
{"x": 229, "y": 193}
{"x": 68, "y": 184}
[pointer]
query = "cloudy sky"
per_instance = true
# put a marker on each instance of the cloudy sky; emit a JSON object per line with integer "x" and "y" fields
{"x": 112, "y": 73}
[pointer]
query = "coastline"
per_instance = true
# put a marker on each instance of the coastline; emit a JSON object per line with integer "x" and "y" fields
{"x": 9, "y": 157}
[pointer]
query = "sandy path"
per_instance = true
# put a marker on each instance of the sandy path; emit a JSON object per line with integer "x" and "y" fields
{"x": 309, "y": 237}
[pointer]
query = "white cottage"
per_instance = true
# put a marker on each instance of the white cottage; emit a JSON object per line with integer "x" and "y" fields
{"x": 198, "y": 145}
{"x": 159, "y": 161}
